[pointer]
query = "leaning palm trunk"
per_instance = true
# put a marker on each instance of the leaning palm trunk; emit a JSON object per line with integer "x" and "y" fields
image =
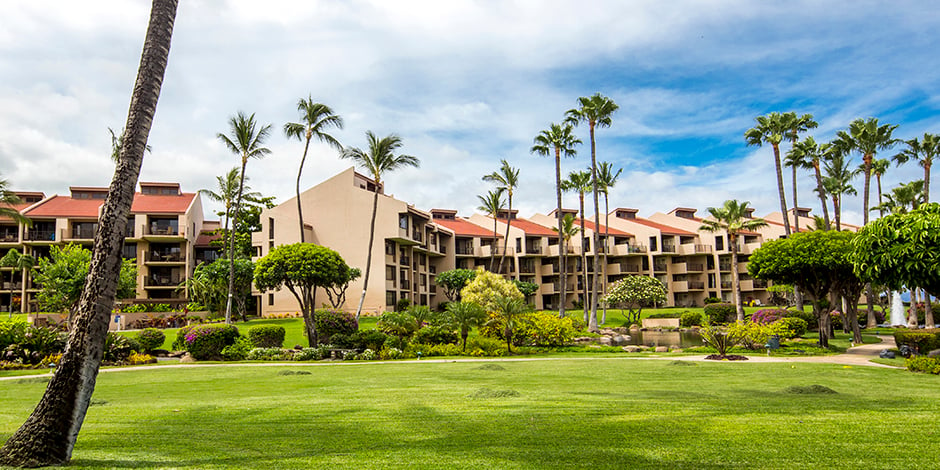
{"x": 365, "y": 278}
{"x": 300, "y": 210}
{"x": 822, "y": 193}
{"x": 734, "y": 277}
{"x": 585, "y": 299}
{"x": 48, "y": 435}
{"x": 592, "y": 325}
{"x": 780, "y": 191}
{"x": 562, "y": 253}
{"x": 231, "y": 246}
{"x": 606, "y": 245}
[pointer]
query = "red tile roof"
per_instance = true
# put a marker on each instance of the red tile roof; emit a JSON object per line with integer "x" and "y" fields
{"x": 532, "y": 228}
{"x": 668, "y": 230}
{"x": 64, "y": 206}
{"x": 159, "y": 204}
{"x": 205, "y": 237}
{"x": 461, "y": 226}
{"x": 612, "y": 231}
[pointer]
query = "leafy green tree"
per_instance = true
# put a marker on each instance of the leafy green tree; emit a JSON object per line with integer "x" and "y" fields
{"x": 486, "y": 287}
{"x": 209, "y": 284}
{"x": 19, "y": 262}
{"x": 581, "y": 182}
{"x": 377, "y": 160}
{"x": 465, "y": 316}
{"x": 772, "y": 129}
{"x": 246, "y": 139}
{"x": 560, "y": 140}
{"x": 509, "y": 312}
{"x": 632, "y": 293}
{"x": 527, "y": 288}
{"x": 507, "y": 179}
{"x": 337, "y": 292}
{"x": 813, "y": 261}
{"x": 49, "y": 433}
{"x": 491, "y": 204}
{"x": 606, "y": 179}
{"x": 399, "y": 324}
{"x": 316, "y": 119}
{"x": 597, "y": 111}
{"x": 301, "y": 268}
{"x": 901, "y": 250}
{"x": 453, "y": 281}
{"x": 62, "y": 276}
{"x": 923, "y": 152}
{"x": 732, "y": 218}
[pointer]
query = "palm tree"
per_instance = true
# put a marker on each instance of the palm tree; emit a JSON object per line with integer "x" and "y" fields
{"x": 465, "y": 315}
{"x": 245, "y": 139}
{"x": 568, "y": 231}
{"x": 797, "y": 125}
{"x": 509, "y": 314}
{"x": 226, "y": 193}
{"x": 606, "y": 179}
{"x": 878, "y": 169}
{"x": 491, "y": 205}
{"x": 317, "y": 118}
{"x": 595, "y": 110}
{"x": 838, "y": 179}
{"x": 22, "y": 262}
{"x": 507, "y": 178}
{"x": 377, "y": 160}
{"x": 772, "y": 129}
{"x": 733, "y": 219}
{"x": 48, "y": 435}
{"x": 117, "y": 141}
{"x": 868, "y": 138}
{"x": 903, "y": 198}
{"x": 923, "y": 152}
{"x": 557, "y": 138}
{"x": 581, "y": 182}
{"x": 7, "y": 200}
{"x": 808, "y": 154}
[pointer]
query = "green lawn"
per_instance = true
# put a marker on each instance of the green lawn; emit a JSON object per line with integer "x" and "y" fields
{"x": 587, "y": 413}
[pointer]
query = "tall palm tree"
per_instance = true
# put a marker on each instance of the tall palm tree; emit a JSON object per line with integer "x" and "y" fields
{"x": 226, "y": 193}
{"x": 878, "y": 169}
{"x": 903, "y": 198}
{"x": 867, "y": 137}
{"x": 568, "y": 231}
{"x": 606, "y": 179}
{"x": 923, "y": 152}
{"x": 772, "y": 129}
{"x": 838, "y": 179}
{"x": 595, "y": 110}
{"x": 797, "y": 125}
{"x": 21, "y": 262}
{"x": 117, "y": 141}
{"x": 557, "y": 139}
{"x": 733, "y": 219}
{"x": 245, "y": 139}
{"x": 809, "y": 154}
{"x": 49, "y": 433}
{"x": 8, "y": 199}
{"x": 507, "y": 178}
{"x": 491, "y": 204}
{"x": 581, "y": 182}
{"x": 316, "y": 119}
{"x": 378, "y": 159}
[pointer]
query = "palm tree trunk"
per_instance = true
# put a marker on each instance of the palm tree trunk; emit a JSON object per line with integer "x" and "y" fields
{"x": 606, "y": 244}
{"x": 562, "y": 258}
{"x": 506, "y": 238}
{"x": 49, "y": 433}
{"x": 584, "y": 277}
{"x": 300, "y": 210}
{"x": 365, "y": 278}
{"x": 836, "y": 207}
{"x": 926, "y": 181}
{"x": 822, "y": 193}
{"x": 494, "y": 246}
{"x": 733, "y": 239}
{"x": 592, "y": 325}
{"x": 780, "y": 191}
{"x": 796, "y": 206}
{"x": 231, "y": 248}
{"x": 867, "y": 159}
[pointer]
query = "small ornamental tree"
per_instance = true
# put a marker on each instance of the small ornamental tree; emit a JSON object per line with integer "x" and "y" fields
{"x": 337, "y": 291}
{"x": 901, "y": 250}
{"x": 527, "y": 288}
{"x": 486, "y": 287}
{"x": 453, "y": 281}
{"x": 209, "y": 284}
{"x": 301, "y": 268}
{"x": 632, "y": 293}
{"x": 464, "y": 315}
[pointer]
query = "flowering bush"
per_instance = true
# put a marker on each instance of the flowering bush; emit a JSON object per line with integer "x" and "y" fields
{"x": 266, "y": 336}
{"x": 207, "y": 341}
{"x": 269, "y": 354}
{"x": 930, "y": 365}
{"x": 768, "y": 315}
{"x": 137, "y": 358}
{"x": 150, "y": 339}
{"x": 391, "y": 353}
{"x": 331, "y": 322}
{"x": 311, "y": 354}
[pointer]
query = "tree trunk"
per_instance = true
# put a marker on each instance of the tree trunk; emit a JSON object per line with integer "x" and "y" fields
{"x": 606, "y": 244}
{"x": 912, "y": 313}
{"x": 365, "y": 276}
{"x": 506, "y": 241}
{"x": 928, "y": 311}
{"x": 597, "y": 223}
{"x": 780, "y": 191}
{"x": 867, "y": 160}
{"x": 927, "y": 164}
{"x": 585, "y": 299}
{"x": 796, "y": 206}
{"x": 231, "y": 248}
{"x": 300, "y": 210}
{"x": 562, "y": 258}
{"x": 821, "y": 192}
{"x": 822, "y": 316}
{"x": 836, "y": 207}
{"x": 48, "y": 435}
{"x": 494, "y": 247}
{"x": 736, "y": 283}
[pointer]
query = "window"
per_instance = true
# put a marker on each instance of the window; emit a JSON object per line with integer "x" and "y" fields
{"x": 390, "y": 273}
{"x": 403, "y": 221}
{"x": 271, "y": 228}
{"x": 270, "y": 298}
{"x": 390, "y": 300}
{"x": 653, "y": 243}
{"x": 719, "y": 242}
{"x": 129, "y": 251}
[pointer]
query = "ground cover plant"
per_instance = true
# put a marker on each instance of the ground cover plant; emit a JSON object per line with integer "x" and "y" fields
{"x": 464, "y": 415}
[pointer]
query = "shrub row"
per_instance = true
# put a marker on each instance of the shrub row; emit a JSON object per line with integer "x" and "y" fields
{"x": 922, "y": 341}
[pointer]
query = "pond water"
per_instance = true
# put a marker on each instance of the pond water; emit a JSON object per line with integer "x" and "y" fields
{"x": 682, "y": 339}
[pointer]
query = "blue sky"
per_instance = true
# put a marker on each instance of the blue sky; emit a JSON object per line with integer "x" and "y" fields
{"x": 465, "y": 84}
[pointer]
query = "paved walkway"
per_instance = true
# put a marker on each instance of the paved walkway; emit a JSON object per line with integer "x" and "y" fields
{"x": 860, "y": 355}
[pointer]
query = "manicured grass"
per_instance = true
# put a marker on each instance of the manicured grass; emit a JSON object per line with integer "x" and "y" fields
{"x": 588, "y": 413}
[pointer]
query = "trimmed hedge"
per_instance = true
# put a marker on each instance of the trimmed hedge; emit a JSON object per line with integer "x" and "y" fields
{"x": 723, "y": 312}
{"x": 150, "y": 339}
{"x": 208, "y": 341}
{"x": 930, "y": 365}
{"x": 667, "y": 315}
{"x": 690, "y": 319}
{"x": 267, "y": 336}
{"x": 922, "y": 341}
{"x": 331, "y": 322}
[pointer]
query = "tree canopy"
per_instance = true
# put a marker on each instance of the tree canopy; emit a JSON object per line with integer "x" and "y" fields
{"x": 453, "y": 281}
{"x": 633, "y": 293}
{"x": 486, "y": 287}
{"x": 62, "y": 277}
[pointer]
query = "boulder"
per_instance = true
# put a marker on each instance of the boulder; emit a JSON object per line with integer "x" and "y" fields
{"x": 934, "y": 353}
{"x": 605, "y": 340}
{"x": 661, "y": 349}
{"x": 187, "y": 358}
{"x": 620, "y": 340}
{"x": 631, "y": 349}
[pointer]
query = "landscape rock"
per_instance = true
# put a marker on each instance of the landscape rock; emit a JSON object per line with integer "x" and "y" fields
{"x": 661, "y": 349}
{"x": 631, "y": 349}
{"x": 934, "y": 353}
{"x": 605, "y": 340}
{"x": 187, "y": 358}
{"x": 620, "y": 340}
{"x": 678, "y": 350}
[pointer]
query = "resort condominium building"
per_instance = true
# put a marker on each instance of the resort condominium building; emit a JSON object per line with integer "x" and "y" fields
{"x": 164, "y": 232}
{"x": 412, "y": 246}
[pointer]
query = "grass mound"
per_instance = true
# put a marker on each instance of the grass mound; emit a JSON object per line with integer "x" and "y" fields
{"x": 809, "y": 390}
{"x": 293, "y": 372}
{"x": 96, "y": 402}
{"x": 484, "y": 393}
{"x": 491, "y": 367}
{"x": 682, "y": 363}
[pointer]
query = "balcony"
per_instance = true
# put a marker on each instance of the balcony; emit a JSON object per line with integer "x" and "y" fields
{"x": 526, "y": 269}
{"x": 659, "y": 267}
{"x": 164, "y": 257}
{"x": 669, "y": 249}
{"x": 40, "y": 235}
{"x": 695, "y": 267}
{"x": 726, "y": 284}
{"x": 161, "y": 231}
{"x": 9, "y": 237}
{"x": 81, "y": 232}
{"x": 163, "y": 281}
{"x": 535, "y": 249}
{"x": 759, "y": 284}
{"x": 549, "y": 269}
{"x": 696, "y": 285}
{"x": 724, "y": 267}
{"x": 464, "y": 250}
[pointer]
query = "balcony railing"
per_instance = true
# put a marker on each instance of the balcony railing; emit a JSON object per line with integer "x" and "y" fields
{"x": 41, "y": 235}
{"x": 164, "y": 257}
{"x": 9, "y": 237}
{"x": 527, "y": 269}
{"x": 724, "y": 266}
{"x": 629, "y": 268}
{"x": 759, "y": 284}
{"x": 464, "y": 250}
{"x": 696, "y": 285}
{"x": 703, "y": 248}
{"x": 163, "y": 281}
{"x": 405, "y": 260}
{"x": 695, "y": 266}
{"x": 160, "y": 230}
{"x": 725, "y": 284}
{"x": 533, "y": 249}
{"x": 659, "y": 267}
{"x": 84, "y": 233}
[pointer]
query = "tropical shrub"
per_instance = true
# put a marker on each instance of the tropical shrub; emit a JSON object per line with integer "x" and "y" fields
{"x": 666, "y": 315}
{"x": 930, "y": 365}
{"x": 266, "y": 336}
{"x": 331, "y": 322}
{"x": 402, "y": 305}
{"x": 269, "y": 354}
{"x": 179, "y": 344}
{"x": 391, "y": 353}
{"x": 116, "y": 348}
{"x": 399, "y": 324}
{"x": 310, "y": 354}
{"x": 808, "y": 317}
{"x": 150, "y": 339}
{"x": 429, "y": 350}
{"x": 369, "y": 339}
{"x": 545, "y": 329}
{"x": 486, "y": 287}
{"x": 435, "y": 335}
{"x": 136, "y": 358}
{"x": 768, "y": 315}
{"x": 712, "y": 300}
{"x": 791, "y": 327}
{"x": 32, "y": 343}
{"x": 754, "y": 335}
{"x": 237, "y": 351}
{"x": 12, "y": 332}
{"x": 720, "y": 339}
{"x": 207, "y": 341}
{"x": 722, "y": 312}
{"x": 690, "y": 319}
{"x": 921, "y": 341}
{"x": 480, "y": 346}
